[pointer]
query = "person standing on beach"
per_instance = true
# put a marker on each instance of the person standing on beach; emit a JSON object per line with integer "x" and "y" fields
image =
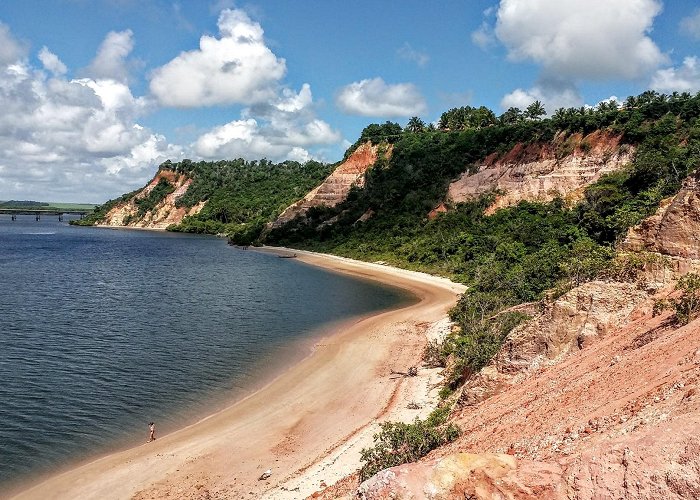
{"x": 152, "y": 435}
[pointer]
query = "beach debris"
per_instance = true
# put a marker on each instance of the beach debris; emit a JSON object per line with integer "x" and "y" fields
{"x": 411, "y": 372}
{"x": 265, "y": 475}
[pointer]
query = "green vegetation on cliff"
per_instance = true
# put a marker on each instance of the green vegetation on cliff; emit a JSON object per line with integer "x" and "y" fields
{"x": 241, "y": 196}
{"x": 686, "y": 306}
{"x": 400, "y": 191}
{"x": 147, "y": 203}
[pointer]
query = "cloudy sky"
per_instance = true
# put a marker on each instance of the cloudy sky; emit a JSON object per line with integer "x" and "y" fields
{"x": 95, "y": 94}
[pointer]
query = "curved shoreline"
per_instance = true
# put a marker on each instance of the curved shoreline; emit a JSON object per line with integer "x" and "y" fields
{"x": 289, "y": 425}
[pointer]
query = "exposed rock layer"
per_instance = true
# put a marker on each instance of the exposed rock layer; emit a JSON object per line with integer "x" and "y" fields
{"x": 464, "y": 475}
{"x": 542, "y": 172}
{"x": 675, "y": 228}
{"x": 576, "y": 320}
{"x": 335, "y": 188}
{"x": 618, "y": 419}
{"x": 163, "y": 214}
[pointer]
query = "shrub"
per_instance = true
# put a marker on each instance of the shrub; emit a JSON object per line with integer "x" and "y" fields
{"x": 631, "y": 266}
{"x": 435, "y": 354}
{"x": 687, "y": 305}
{"x": 399, "y": 443}
{"x": 445, "y": 392}
{"x": 482, "y": 332}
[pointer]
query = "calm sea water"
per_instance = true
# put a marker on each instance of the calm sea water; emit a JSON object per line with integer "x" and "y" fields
{"x": 103, "y": 331}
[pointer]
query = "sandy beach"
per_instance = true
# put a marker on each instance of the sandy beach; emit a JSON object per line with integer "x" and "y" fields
{"x": 307, "y": 426}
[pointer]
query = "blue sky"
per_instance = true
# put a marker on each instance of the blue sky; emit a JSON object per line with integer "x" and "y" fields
{"x": 97, "y": 93}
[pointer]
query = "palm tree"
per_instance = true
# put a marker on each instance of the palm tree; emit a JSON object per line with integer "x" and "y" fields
{"x": 511, "y": 115}
{"x": 481, "y": 117}
{"x": 535, "y": 111}
{"x": 415, "y": 125}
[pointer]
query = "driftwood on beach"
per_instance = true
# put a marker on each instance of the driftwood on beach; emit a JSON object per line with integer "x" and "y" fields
{"x": 411, "y": 372}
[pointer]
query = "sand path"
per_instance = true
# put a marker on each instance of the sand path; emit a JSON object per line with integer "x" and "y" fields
{"x": 289, "y": 426}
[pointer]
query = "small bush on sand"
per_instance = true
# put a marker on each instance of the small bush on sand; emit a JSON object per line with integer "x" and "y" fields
{"x": 399, "y": 443}
{"x": 435, "y": 354}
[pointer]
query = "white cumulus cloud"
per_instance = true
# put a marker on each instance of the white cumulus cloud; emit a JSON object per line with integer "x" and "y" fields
{"x": 582, "y": 39}
{"x": 111, "y": 59}
{"x": 72, "y": 140}
{"x": 236, "y": 68}
{"x": 281, "y": 129}
{"x": 685, "y": 78}
{"x": 51, "y": 62}
{"x": 148, "y": 153}
{"x": 374, "y": 97}
{"x": 11, "y": 50}
{"x": 691, "y": 25}
{"x": 553, "y": 94}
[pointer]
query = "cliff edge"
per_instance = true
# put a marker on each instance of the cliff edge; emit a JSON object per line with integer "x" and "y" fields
{"x": 164, "y": 212}
{"x": 674, "y": 229}
{"x": 544, "y": 171}
{"x": 335, "y": 188}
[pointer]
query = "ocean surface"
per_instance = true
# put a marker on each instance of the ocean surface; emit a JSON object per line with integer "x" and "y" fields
{"x": 103, "y": 331}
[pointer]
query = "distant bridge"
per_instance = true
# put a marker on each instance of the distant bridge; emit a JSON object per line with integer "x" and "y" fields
{"x": 38, "y": 212}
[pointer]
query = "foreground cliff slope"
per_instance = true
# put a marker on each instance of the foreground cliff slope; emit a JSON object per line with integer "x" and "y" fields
{"x": 594, "y": 397}
{"x": 619, "y": 419}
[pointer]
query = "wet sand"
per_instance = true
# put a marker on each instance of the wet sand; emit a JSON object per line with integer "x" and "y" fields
{"x": 290, "y": 426}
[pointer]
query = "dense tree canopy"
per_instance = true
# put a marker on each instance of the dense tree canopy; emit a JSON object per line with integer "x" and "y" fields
{"x": 241, "y": 196}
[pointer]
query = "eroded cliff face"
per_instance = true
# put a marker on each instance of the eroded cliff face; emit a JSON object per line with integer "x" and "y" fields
{"x": 542, "y": 172}
{"x": 617, "y": 416}
{"x": 574, "y": 321}
{"x": 163, "y": 214}
{"x": 593, "y": 397}
{"x": 465, "y": 475}
{"x": 335, "y": 188}
{"x": 675, "y": 228}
